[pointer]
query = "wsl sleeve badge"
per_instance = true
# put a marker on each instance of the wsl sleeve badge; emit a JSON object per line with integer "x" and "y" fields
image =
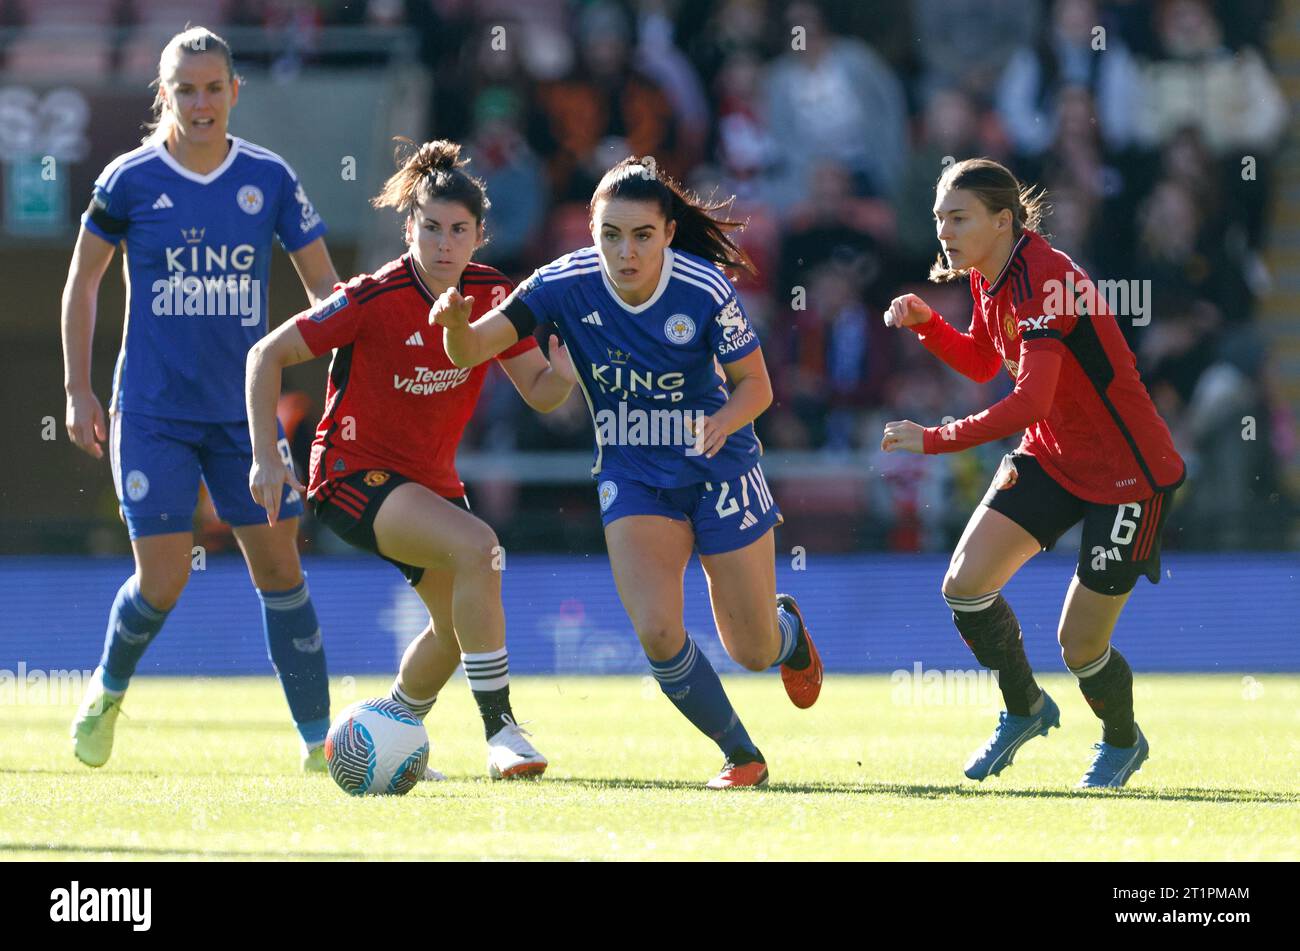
{"x": 377, "y": 748}
{"x": 329, "y": 306}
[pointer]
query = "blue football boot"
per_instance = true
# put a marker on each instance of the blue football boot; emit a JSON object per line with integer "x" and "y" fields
{"x": 1115, "y": 764}
{"x": 1011, "y": 733}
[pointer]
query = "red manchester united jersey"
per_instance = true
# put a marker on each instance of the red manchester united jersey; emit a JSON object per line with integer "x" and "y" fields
{"x": 1091, "y": 424}
{"x": 394, "y": 400}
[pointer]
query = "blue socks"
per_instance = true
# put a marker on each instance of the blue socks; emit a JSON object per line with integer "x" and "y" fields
{"x": 293, "y": 642}
{"x": 132, "y": 624}
{"x": 691, "y": 683}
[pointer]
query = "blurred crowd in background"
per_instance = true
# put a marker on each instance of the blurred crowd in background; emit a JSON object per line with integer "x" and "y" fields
{"x": 830, "y": 123}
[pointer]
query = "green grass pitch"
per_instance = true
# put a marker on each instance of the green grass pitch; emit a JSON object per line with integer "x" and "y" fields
{"x": 209, "y": 769}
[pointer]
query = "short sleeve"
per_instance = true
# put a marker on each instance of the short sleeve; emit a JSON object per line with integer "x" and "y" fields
{"x": 731, "y": 335}
{"x": 334, "y": 322}
{"x": 529, "y": 305}
{"x": 501, "y": 290}
{"x": 108, "y": 214}
{"x": 297, "y": 224}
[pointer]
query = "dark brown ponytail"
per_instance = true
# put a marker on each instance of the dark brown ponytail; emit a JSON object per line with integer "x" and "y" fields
{"x": 432, "y": 171}
{"x": 698, "y": 232}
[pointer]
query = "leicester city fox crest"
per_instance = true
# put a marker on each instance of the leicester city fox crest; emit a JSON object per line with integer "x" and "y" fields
{"x": 679, "y": 329}
{"x": 250, "y": 199}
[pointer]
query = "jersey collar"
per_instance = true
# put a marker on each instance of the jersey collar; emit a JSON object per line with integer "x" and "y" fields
{"x": 665, "y": 275}
{"x": 212, "y": 176}
{"x": 991, "y": 290}
{"x": 414, "y": 270}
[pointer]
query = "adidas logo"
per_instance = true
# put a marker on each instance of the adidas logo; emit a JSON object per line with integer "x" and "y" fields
{"x": 748, "y": 521}
{"x": 415, "y": 340}
{"x": 1114, "y": 555}
{"x": 163, "y": 202}
{"x": 593, "y": 318}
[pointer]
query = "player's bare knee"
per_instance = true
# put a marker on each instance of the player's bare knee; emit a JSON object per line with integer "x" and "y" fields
{"x": 277, "y": 577}
{"x": 660, "y": 639}
{"x": 956, "y": 585}
{"x": 478, "y": 554}
{"x": 753, "y": 659}
{"x": 161, "y": 590}
{"x": 1079, "y": 649}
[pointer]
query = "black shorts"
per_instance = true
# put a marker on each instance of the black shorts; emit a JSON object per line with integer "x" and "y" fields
{"x": 348, "y": 506}
{"x": 1120, "y": 542}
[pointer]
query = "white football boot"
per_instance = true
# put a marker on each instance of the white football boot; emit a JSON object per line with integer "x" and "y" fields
{"x": 92, "y": 728}
{"x": 511, "y": 756}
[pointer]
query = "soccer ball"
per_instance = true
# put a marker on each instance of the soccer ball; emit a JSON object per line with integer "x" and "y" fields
{"x": 377, "y": 748}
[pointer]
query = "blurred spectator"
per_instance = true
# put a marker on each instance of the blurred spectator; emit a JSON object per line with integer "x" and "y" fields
{"x": 949, "y": 131}
{"x": 658, "y": 57}
{"x": 515, "y": 182}
{"x": 735, "y": 26}
{"x": 967, "y": 43}
{"x": 603, "y": 111}
{"x": 1236, "y": 498}
{"x": 832, "y": 359}
{"x": 1066, "y": 55}
{"x": 832, "y": 225}
{"x": 1230, "y": 97}
{"x": 744, "y": 144}
{"x": 1175, "y": 250}
{"x": 834, "y": 99}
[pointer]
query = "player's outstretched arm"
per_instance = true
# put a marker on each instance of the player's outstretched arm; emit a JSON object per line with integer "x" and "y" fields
{"x": 544, "y": 385}
{"x": 751, "y": 394}
{"x": 1029, "y": 402}
{"x": 315, "y": 270}
{"x": 281, "y": 348}
{"x": 84, "y": 418}
{"x": 467, "y": 344}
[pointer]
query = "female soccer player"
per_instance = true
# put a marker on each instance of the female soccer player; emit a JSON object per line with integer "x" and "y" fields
{"x": 645, "y": 314}
{"x": 195, "y": 210}
{"x": 1094, "y": 449}
{"x": 383, "y": 465}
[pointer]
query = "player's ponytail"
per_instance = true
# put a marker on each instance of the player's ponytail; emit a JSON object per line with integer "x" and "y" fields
{"x": 193, "y": 39}
{"x": 996, "y": 188}
{"x": 699, "y": 231}
{"x": 433, "y": 171}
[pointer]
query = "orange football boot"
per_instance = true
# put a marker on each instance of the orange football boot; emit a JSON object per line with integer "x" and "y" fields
{"x": 803, "y": 687}
{"x": 737, "y": 775}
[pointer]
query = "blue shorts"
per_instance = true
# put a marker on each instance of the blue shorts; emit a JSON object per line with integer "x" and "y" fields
{"x": 724, "y": 515}
{"x": 157, "y": 465}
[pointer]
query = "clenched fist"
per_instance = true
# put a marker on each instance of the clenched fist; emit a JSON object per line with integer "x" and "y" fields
{"x": 907, "y": 311}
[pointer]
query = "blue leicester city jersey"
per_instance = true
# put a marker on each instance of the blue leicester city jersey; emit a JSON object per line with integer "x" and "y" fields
{"x": 646, "y": 370}
{"x": 197, "y": 258}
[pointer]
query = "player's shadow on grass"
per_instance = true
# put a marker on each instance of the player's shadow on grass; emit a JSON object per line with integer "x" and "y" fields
{"x": 1176, "y": 794}
{"x": 914, "y": 791}
{"x": 148, "y": 851}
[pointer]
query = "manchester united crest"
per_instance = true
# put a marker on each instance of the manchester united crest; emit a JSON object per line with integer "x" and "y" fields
{"x": 375, "y": 477}
{"x": 1009, "y": 325}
